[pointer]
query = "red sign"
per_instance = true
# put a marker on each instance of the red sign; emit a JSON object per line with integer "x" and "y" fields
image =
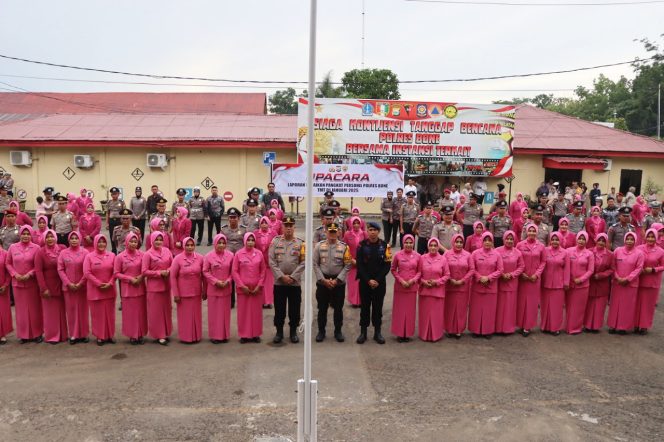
{"x": 228, "y": 195}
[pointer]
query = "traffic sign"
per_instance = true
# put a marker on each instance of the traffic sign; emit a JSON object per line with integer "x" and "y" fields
{"x": 269, "y": 158}
{"x": 370, "y": 199}
{"x": 22, "y": 194}
{"x": 228, "y": 195}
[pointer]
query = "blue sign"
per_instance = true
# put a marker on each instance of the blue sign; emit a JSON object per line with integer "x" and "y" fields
{"x": 269, "y": 158}
{"x": 488, "y": 197}
{"x": 189, "y": 194}
{"x": 367, "y": 110}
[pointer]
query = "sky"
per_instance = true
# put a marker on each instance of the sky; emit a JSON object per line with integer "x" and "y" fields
{"x": 269, "y": 40}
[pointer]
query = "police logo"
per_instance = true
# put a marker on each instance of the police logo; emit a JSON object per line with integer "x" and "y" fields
{"x": 367, "y": 110}
{"x": 422, "y": 110}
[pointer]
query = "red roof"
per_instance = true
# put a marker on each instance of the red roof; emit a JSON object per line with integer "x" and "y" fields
{"x": 131, "y": 103}
{"x": 574, "y": 163}
{"x": 539, "y": 131}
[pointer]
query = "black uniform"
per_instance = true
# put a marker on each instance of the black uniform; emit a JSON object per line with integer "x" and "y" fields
{"x": 373, "y": 262}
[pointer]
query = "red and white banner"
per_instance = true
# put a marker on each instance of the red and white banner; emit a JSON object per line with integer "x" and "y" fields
{"x": 345, "y": 180}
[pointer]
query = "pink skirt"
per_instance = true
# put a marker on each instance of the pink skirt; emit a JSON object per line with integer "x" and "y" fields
{"x": 552, "y": 309}
{"x": 646, "y": 301}
{"x": 353, "y": 287}
{"x": 482, "y": 313}
{"x": 55, "y": 319}
{"x": 506, "y": 311}
{"x": 576, "y": 300}
{"x": 404, "y": 304}
{"x": 6, "y": 323}
{"x": 249, "y": 315}
{"x": 595, "y": 311}
{"x": 102, "y": 313}
{"x": 28, "y": 310}
{"x": 623, "y": 307}
{"x": 456, "y": 311}
{"x": 160, "y": 315}
{"x": 190, "y": 319}
{"x": 431, "y": 320}
{"x": 78, "y": 314}
{"x": 527, "y": 303}
{"x": 268, "y": 287}
{"x": 219, "y": 317}
{"x": 134, "y": 317}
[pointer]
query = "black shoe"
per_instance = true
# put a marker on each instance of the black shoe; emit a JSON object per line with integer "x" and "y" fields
{"x": 84, "y": 340}
{"x": 24, "y": 341}
{"x": 257, "y": 339}
{"x": 320, "y": 337}
{"x": 110, "y": 341}
{"x": 278, "y": 338}
{"x": 215, "y": 341}
{"x": 163, "y": 342}
{"x": 363, "y": 336}
{"x": 339, "y": 336}
{"x": 378, "y": 337}
{"x": 525, "y": 333}
{"x": 133, "y": 341}
{"x": 100, "y": 342}
{"x": 475, "y": 335}
{"x": 53, "y": 342}
{"x": 622, "y": 332}
{"x": 293, "y": 335}
{"x": 3, "y": 340}
{"x": 612, "y": 331}
{"x": 643, "y": 331}
{"x": 486, "y": 336}
{"x": 198, "y": 243}
{"x": 209, "y": 243}
{"x": 555, "y": 333}
{"x": 141, "y": 341}
{"x": 244, "y": 340}
{"x": 39, "y": 340}
{"x": 72, "y": 341}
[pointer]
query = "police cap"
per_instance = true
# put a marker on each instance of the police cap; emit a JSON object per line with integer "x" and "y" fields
{"x": 289, "y": 221}
{"x": 233, "y": 212}
{"x": 126, "y": 213}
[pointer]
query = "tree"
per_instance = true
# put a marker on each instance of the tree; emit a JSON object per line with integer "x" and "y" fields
{"x": 283, "y": 102}
{"x": 326, "y": 88}
{"x": 642, "y": 113}
{"x": 371, "y": 83}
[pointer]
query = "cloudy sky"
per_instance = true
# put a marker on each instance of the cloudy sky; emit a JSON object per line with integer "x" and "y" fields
{"x": 268, "y": 40}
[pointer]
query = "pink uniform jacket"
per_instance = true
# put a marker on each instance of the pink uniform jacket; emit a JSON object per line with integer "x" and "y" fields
{"x": 128, "y": 266}
{"x": 70, "y": 265}
{"x": 187, "y": 275}
{"x": 461, "y": 269}
{"x": 533, "y": 257}
{"x": 98, "y": 270}
{"x": 628, "y": 264}
{"x": 490, "y": 264}
{"x": 581, "y": 266}
{"x": 21, "y": 261}
{"x": 89, "y": 225}
{"x": 248, "y": 268}
{"x": 406, "y": 267}
{"x": 434, "y": 267}
{"x": 218, "y": 267}
{"x": 154, "y": 262}
{"x": 556, "y": 269}
{"x": 513, "y": 263}
{"x": 46, "y": 268}
{"x": 652, "y": 257}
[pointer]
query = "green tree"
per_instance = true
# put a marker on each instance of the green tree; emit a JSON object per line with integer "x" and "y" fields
{"x": 371, "y": 83}
{"x": 327, "y": 89}
{"x": 283, "y": 102}
{"x": 642, "y": 113}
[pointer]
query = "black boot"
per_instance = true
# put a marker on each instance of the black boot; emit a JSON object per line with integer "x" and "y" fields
{"x": 377, "y": 336}
{"x": 320, "y": 337}
{"x": 363, "y": 336}
{"x": 293, "y": 335}
{"x": 279, "y": 336}
{"x": 338, "y": 335}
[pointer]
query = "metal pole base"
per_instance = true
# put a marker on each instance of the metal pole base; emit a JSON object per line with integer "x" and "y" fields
{"x": 307, "y": 415}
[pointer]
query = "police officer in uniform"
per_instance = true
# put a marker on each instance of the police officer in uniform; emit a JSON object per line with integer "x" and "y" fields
{"x": 655, "y": 216}
{"x": 338, "y": 218}
{"x": 332, "y": 261}
{"x": 320, "y": 234}
{"x": 139, "y": 208}
{"x": 559, "y": 209}
{"x": 547, "y": 212}
{"x": 618, "y": 230}
{"x": 251, "y": 220}
{"x": 445, "y": 200}
{"x": 446, "y": 229}
{"x": 9, "y": 232}
{"x": 214, "y": 209}
{"x": 113, "y": 208}
{"x": 472, "y": 212}
{"x": 161, "y": 213}
{"x": 577, "y": 221}
{"x": 234, "y": 238}
{"x": 63, "y": 221}
{"x": 286, "y": 259}
{"x": 500, "y": 223}
{"x": 5, "y": 199}
{"x": 543, "y": 229}
{"x": 386, "y": 210}
{"x": 329, "y": 196}
{"x": 125, "y": 228}
{"x": 373, "y": 259}
{"x": 180, "y": 202}
{"x": 409, "y": 212}
{"x": 423, "y": 227}
{"x": 253, "y": 194}
{"x": 49, "y": 203}
{"x": 610, "y": 213}
{"x": 197, "y": 213}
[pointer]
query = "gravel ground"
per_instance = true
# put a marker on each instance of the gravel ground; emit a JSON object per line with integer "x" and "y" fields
{"x": 585, "y": 387}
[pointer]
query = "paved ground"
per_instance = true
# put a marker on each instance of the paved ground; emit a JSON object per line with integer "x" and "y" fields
{"x": 585, "y": 388}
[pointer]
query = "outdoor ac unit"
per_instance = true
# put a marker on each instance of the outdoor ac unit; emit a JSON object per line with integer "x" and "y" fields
{"x": 84, "y": 161}
{"x": 20, "y": 158}
{"x": 608, "y": 164}
{"x": 157, "y": 160}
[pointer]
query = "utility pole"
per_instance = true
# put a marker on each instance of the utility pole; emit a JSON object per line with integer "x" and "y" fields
{"x": 307, "y": 389}
{"x": 659, "y": 111}
{"x": 363, "y": 33}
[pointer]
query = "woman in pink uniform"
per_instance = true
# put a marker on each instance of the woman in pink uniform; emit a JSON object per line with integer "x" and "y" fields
{"x": 6, "y": 324}
{"x": 355, "y": 213}
{"x": 519, "y": 222}
{"x": 50, "y": 288}
{"x": 406, "y": 271}
{"x": 458, "y": 287}
{"x": 72, "y": 205}
{"x": 482, "y": 309}
{"x": 459, "y": 215}
{"x": 83, "y": 200}
{"x": 22, "y": 218}
{"x": 249, "y": 276}
{"x": 187, "y": 287}
{"x": 530, "y": 286}
{"x": 98, "y": 271}
{"x": 181, "y": 230}
{"x": 127, "y": 269}
{"x": 649, "y": 282}
{"x": 595, "y": 225}
{"x": 276, "y": 225}
{"x": 217, "y": 268}
{"x": 474, "y": 241}
{"x": 38, "y": 233}
{"x": 581, "y": 268}
{"x": 516, "y": 208}
{"x": 274, "y": 204}
{"x": 353, "y": 237}
{"x": 600, "y": 285}
{"x": 158, "y": 225}
{"x": 508, "y": 284}
{"x": 70, "y": 270}
{"x": 28, "y": 308}
{"x": 567, "y": 238}
{"x": 434, "y": 272}
{"x": 627, "y": 266}
{"x": 555, "y": 280}
{"x": 639, "y": 211}
{"x": 89, "y": 225}
{"x": 264, "y": 236}
{"x": 156, "y": 270}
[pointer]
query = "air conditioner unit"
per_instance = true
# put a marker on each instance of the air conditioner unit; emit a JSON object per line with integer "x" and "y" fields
{"x": 84, "y": 161}
{"x": 20, "y": 158}
{"x": 157, "y": 160}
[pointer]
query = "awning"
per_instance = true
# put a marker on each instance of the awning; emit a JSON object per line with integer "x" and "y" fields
{"x": 574, "y": 163}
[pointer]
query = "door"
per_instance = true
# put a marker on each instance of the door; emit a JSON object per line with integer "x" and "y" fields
{"x": 629, "y": 178}
{"x": 562, "y": 176}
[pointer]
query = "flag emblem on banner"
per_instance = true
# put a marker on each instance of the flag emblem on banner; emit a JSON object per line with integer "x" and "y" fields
{"x": 367, "y": 110}
{"x": 421, "y": 110}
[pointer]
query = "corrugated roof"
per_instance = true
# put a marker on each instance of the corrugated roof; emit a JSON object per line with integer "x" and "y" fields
{"x": 579, "y": 160}
{"x": 131, "y": 103}
{"x": 550, "y": 132}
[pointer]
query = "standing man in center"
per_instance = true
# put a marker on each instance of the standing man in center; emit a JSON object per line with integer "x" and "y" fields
{"x": 374, "y": 259}
{"x": 387, "y": 211}
{"x": 215, "y": 209}
{"x": 139, "y": 207}
{"x": 113, "y": 208}
{"x": 197, "y": 213}
{"x": 472, "y": 212}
